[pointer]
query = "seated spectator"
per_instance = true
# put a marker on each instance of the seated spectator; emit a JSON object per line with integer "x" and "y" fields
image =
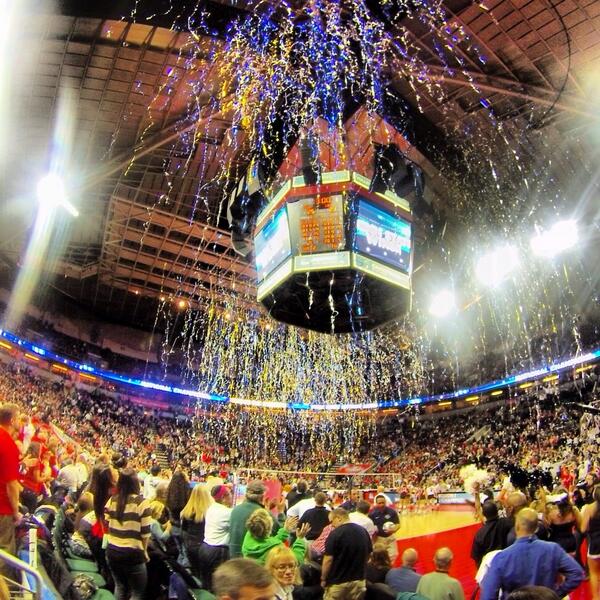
{"x": 361, "y": 517}
{"x": 533, "y": 592}
{"x": 258, "y": 540}
{"x": 439, "y": 585}
{"x": 405, "y": 578}
{"x": 282, "y": 563}
{"x": 78, "y": 542}
{"x": 240, "y": 578}
{"x": 160, "y": 525}
{"x": 379, "y": 563}
{"x": 317, "y": 517}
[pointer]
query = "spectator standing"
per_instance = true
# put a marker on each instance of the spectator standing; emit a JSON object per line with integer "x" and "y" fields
{"x": 351, "y": 502}
{"x": 361, "y": 517}
{"x": 591, "y": 526}
{"x": 405, "y": 578}
{"x": 151, "y": 482}
{"x": 129, "y": 520}
{"x": 300, "y": 492}
{"x": 215, "y": 549}
{"x": 439, "y": 585}
{"x": 9, "y": 477}
{"x": 317, "y": 517}
{"x": 193, "y": 525}
{"x": 530, "y": 561}
{"x": 255, "y": 495}
{"x": 347, "y": 550}
{"x": 492, "y": 534}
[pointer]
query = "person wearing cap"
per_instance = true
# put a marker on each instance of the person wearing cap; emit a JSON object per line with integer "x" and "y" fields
{"x": 215, "y": 548}
{"x": 255, "y": 495}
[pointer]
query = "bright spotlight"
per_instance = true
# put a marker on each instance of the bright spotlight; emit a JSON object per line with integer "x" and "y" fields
{"x": 560, "y": 237}
{"x": 51, "y": 193}
{"x": 442, "y": 304}
{"x": 493, "y": 268}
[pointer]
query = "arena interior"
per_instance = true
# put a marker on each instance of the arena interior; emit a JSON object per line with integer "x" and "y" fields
{"x": 299, "y": 299}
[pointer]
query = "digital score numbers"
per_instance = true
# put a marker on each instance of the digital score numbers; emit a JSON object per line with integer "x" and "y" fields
{"x": 317, "y": 224}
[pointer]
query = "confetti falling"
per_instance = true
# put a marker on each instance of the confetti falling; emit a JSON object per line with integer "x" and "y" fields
{"x": 280, "y": 73}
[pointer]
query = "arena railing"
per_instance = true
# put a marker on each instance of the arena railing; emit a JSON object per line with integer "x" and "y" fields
{"x": 514, "y": 381}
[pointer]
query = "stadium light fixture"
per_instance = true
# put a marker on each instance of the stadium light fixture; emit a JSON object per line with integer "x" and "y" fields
{"x": 560, "y": 237}
{"x": 495, "y": 266}
{"x": 442, "y": 304}
{"x": 51, "y": 193}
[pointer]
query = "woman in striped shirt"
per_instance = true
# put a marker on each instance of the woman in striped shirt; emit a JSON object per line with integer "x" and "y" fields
{"x": 129, "y": 518}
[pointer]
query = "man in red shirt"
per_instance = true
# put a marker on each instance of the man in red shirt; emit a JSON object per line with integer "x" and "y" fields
{"x": 9, "y": 476}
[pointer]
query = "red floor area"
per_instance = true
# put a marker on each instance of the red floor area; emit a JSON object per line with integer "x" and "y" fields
{"x": 463, "y": 567}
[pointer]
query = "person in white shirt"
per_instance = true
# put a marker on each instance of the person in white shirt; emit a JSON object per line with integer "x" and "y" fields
{"x": 361, "y": 517}
{"x": 298, "y": 509}
{"x": 151, "y": 482}
{"x": 69, "y": 476}
{"x": 215, "y": 548}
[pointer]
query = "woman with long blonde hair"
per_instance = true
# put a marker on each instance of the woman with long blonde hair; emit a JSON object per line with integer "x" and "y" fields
{"x": 193, "y": 523}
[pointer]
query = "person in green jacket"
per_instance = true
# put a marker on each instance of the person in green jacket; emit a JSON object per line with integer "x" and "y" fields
{"x": 255, "y": 495}
{"x": 258, "y": 540}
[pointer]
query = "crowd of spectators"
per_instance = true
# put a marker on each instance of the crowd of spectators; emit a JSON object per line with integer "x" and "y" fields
{"x": 99, "y": 453}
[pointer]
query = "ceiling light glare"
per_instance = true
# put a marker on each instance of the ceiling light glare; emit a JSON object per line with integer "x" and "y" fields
{"x": 560, "y": 237}
{"x": 493, "y": 268}
{"x": 51, "y": 193}
{"x": 442, "y": 304}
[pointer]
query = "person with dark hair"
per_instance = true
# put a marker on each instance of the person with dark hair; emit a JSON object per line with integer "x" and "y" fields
{"x": 379, "y": 563}
{"x": 9, "y": 479}
{"x": 316, "y": 517}
{"x": 351, "y": 502}
{"x": 31, "y": 480}
{"x": 590, "y": 525}
{"x": 384, "y": 517}
{"x": 533, "y": 592}
{"x": 178, "y": 493}
{"x": 492, "y": 535}
{"x": 300, "y": 492}
{"x": 563, "y": 520}
{"x": 243, "y": 579}
{"x": 361, "y": 517}
{"x": 118, "y": 461}
{"x": 129, "y": 520}
{"x": 347, "y": 550}
{"x": 530, "y": 561}
{"x": 152, "y": 481}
